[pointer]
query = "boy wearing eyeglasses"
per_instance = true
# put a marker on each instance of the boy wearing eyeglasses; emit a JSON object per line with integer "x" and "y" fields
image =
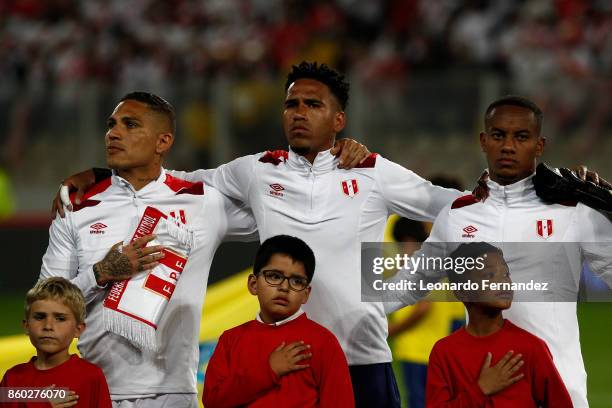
{"x": 281, "y": 358}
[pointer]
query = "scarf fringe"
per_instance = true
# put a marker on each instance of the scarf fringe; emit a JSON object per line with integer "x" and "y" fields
{"x": 139, "y": 334}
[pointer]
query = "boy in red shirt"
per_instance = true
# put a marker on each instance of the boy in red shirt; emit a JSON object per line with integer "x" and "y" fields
{"x": 491, "y": 362}
{"x": 54, "y": 315}
{"x": 282, "y": 358}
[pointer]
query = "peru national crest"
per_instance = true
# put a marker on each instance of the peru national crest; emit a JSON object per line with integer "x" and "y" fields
{"x": 545, "y": 228}
{"x": 350, "y": 187}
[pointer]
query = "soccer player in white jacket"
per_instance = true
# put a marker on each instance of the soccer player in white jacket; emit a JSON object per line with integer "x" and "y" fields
{"x": 527, "y": 228}
{"x": 140, "y": 133}
{"x": 302, "y": 192}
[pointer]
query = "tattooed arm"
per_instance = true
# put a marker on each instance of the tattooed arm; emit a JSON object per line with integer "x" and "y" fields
{"x": 122, "y": 262}
{"x": 62, "y": 259}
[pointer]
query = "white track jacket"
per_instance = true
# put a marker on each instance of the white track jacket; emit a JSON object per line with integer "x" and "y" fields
{"x": 108, "y": 215}
{"x": 333, "y": 211}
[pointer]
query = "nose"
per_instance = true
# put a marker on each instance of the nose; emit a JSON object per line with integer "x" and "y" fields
{"x": 111, "y": 135}
{"x": 509, "y": 145}
{"x": 48, "y": 324}
{"x": 299, "y": 112}
{"x": 284, "y": 286}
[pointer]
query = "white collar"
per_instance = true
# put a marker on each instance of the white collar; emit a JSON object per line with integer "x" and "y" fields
{"x": 520, "y": 191}
{"x": 121, "y": 182}
{"x": 324, "y": 162}
{"x": 281, "y": 322}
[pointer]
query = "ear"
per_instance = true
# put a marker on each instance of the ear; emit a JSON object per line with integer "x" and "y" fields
{"x": 252, "y": 285}
{"x": 483, "y": 141}
{"x": 164, "y": 143}
{"x": 540, "y": 144}
{"x": 26, "y": 326}
{"x": 80, "y": 328}
{"x": 306, "y": 294}
{"x": 339, "y": 121}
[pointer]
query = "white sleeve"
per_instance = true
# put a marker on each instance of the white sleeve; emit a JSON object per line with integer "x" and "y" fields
{"x": 409, "y": 195}
{"x": 436, "y": 246}
{"x": 241, "y": 225}
{"x": 236, "y": 220}
{"x": 595, "y": 234}
{"x": 61, "y": 259}
{"x": 232, "y": 179}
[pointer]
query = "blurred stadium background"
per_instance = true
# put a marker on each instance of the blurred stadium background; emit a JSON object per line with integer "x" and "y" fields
{"x": 421, "y": 71}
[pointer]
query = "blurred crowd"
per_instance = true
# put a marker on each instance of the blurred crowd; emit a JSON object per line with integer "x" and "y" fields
{"x": 559, "y": 52}
{"x": 149, "y": 42}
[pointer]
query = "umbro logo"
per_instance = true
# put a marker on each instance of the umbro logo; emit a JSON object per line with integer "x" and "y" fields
{"x": 469, "y": 231}
{"x": 97, "y": 228}
{"x": 276, "y": 190}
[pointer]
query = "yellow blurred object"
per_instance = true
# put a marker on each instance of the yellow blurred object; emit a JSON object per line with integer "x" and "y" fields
{"x": 228, "y": 304}
{"x": 7, "y": 201}
{"x": 415, "y": 344}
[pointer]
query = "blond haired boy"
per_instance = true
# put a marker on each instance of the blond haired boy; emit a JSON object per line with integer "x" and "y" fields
{"x": 54, "y": 316}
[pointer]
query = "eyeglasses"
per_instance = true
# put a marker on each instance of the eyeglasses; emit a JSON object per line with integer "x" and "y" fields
{"x": 276, "y": 278}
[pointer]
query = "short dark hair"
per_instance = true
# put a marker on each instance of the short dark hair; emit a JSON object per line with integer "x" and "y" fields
{"x": 470, "y": 250}
{"x": 155, "y": 103}
{"x": 405, "y": 228}
{"x": 324, "y": 74}
{"x": 516, "y": 100}
{"x": 293, "y": 247}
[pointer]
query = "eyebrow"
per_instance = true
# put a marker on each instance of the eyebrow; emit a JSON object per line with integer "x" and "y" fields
{"x": 306, "y": 100}
{"x": 53, "y": 313}
{"x": 130, "y": 118}
{"x": 123, "y": 119}
{"x": 495, "y": 129}
{"x": 281, "y": 272}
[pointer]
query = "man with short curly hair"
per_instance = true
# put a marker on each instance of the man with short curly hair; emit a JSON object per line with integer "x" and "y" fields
{"x": 302, "y": 192}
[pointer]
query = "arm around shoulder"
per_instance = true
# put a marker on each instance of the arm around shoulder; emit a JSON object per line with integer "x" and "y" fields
{"x": 409, "y": 195}
{"x": 236, "y": 220}
{"x": 231, "y": 179}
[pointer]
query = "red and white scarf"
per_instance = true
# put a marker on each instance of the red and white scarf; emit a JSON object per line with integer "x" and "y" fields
{"x": 134, "y": 307}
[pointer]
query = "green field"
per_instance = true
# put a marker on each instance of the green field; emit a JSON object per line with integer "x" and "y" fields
{"x": 11, "y": 305}
{"x": 595, "y": 333}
